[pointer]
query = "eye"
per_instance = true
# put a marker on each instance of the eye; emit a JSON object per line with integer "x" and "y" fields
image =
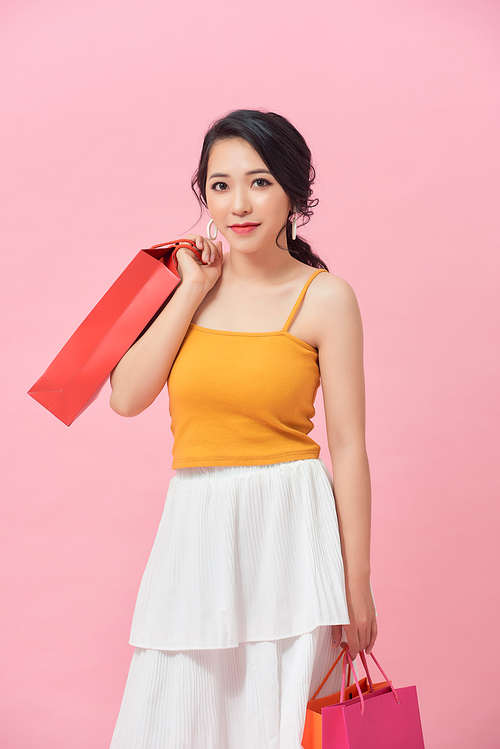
{"x": 261, "y": 182}
{"x": 219, "y": 186}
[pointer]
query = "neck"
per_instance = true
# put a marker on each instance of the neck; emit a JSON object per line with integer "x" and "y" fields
{"x": 268, "y": 266}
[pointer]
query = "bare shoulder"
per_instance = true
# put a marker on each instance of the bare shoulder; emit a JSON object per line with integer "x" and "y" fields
{"x": 329, "y": 312}
{"x": 334, "y": 313}
{"x": 332, "y": 295}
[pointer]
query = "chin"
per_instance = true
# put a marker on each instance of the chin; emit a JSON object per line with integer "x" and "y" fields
{"x": 246, "y": 248}
{"x": 247, "y": 244}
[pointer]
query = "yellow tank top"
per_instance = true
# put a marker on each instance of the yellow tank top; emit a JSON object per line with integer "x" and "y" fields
{"x": 243, "y": 398}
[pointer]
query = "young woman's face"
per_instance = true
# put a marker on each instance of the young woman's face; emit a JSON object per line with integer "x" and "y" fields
{"x": 248, "y": 206}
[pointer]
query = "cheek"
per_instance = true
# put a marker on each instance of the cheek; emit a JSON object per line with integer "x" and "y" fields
{"x": 215, "y": 204}
{"x": 279, "y": 205}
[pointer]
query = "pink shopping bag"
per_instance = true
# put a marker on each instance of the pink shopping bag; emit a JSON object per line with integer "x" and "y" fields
{"x": 384, "y": 718}
{"x": 313, "y": 728}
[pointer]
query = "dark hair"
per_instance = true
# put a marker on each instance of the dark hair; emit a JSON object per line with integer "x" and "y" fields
{"x": 287, "y": 156}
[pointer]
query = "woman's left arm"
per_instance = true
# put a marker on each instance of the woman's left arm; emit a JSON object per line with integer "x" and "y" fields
{"x": 340, "y": 348}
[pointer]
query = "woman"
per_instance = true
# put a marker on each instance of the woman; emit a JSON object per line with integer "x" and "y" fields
{"x": 240, "y": 611}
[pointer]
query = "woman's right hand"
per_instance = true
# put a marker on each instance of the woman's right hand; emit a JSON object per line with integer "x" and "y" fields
{"x": 192, "y": 270}
{"x": 143, "y": 371}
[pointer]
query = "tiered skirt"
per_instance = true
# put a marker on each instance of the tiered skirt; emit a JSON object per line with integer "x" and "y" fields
{"x": 232, "y": 625}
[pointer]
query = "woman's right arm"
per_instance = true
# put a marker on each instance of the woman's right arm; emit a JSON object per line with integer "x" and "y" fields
{"x": 142, "y": 372}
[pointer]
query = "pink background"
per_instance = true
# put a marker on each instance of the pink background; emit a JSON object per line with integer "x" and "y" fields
{"x": 104, "y": 104}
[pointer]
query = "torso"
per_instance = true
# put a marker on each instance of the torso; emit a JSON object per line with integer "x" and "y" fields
{"x": 257, "y": 308}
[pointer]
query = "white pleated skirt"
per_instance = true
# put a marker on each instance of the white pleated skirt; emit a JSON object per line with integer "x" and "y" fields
{"x": 232, "y": 625}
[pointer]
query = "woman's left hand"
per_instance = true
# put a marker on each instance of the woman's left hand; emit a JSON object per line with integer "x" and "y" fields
{"x": 361, "y": 632}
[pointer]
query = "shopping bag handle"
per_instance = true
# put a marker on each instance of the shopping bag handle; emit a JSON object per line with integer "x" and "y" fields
{"x": 347, "y": 658}
{"x": 175, "y": 245}
{"x": 166, "y": 252}
{"x": 365, "y": 666}
{"x": 328, "y": 674}
{"x": 370, "y": 682}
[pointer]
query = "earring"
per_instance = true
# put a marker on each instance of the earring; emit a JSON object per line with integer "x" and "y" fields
{"x": 294, "y": 225}
{"x": 209, "y": 229}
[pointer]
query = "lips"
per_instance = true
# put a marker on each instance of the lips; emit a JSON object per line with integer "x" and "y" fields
{"x": 243, "y": 228}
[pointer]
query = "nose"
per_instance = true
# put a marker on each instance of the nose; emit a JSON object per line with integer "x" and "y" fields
{"x": 241, "y": 202}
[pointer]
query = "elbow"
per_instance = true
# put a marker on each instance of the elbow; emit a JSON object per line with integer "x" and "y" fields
{"x": 130, "y": 399}
{"x": 120, "y": 400}
{"x": 122, "y": 408}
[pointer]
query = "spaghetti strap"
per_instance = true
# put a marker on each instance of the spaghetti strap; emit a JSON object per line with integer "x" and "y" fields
{"x": 300, "y": 298}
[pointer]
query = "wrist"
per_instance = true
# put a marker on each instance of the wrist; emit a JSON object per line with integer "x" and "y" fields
{"x": 358, "y": 575}
{"x": 192, "y": 292}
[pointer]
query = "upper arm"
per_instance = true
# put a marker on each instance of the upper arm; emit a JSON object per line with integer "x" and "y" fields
{"x": 340, "y": 351}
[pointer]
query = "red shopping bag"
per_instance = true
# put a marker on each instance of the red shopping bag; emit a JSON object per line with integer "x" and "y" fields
{"x": 77, "y": 374}
{"x": 379, "y": 716}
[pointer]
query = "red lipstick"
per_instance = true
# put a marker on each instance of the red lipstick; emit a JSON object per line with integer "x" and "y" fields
{"x": 243, "y": 228}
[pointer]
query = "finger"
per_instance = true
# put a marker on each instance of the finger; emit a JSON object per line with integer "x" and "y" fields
{"x": 214, "y": 249}
{"x": 214, "y": 252}
{"x": 363, "y": 639}
{"x": 184, "y": 253}
{"x": 370, "y": 631}
{"x": 198, "y": 240}
{"x": 202, "y": 245}
{"x": 336, "y": 635}
{"x": 373, "y": 637}
{"x": 205, "y": 256}
{"x": 353, "y": 642}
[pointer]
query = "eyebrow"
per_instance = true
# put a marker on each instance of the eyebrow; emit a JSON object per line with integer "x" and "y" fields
{"x": 247, "y": 174}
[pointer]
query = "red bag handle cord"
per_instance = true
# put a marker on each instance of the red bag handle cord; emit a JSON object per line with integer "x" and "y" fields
{"x": 178, "y": 244}
{"x": 328, "y": 674}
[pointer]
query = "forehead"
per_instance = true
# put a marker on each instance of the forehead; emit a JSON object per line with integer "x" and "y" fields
{"x": 233, "y": 155}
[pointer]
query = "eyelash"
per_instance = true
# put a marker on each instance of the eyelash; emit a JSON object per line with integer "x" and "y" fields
{"x": 258, "y": 179}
